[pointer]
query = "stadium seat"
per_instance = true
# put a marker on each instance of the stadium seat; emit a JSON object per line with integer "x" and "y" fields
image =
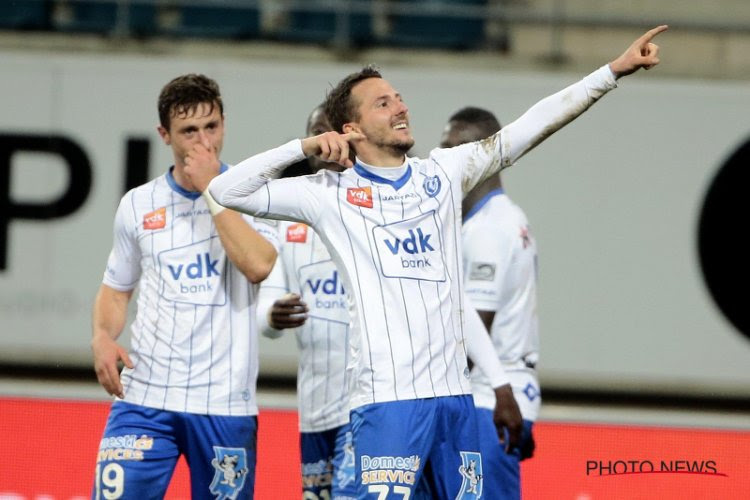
{"x": 216, "y": 22}
{"x": 102, "y": 17}
{"x": 24, "y": 14}
{"x": 428, "y": 30}
{"x": 321, "y": 27}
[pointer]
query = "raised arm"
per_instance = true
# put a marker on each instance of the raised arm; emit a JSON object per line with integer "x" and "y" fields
{"x": 554, "y": 112}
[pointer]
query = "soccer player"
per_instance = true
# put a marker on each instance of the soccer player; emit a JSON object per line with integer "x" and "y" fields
{"x": 188, "y": 386}
{"x": 393, "y": 227}
{"x": 306, "y": 292}
{"x": 500, "y": 271}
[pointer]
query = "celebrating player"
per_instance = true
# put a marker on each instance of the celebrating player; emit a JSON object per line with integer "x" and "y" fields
{"x": 393, "y": 227}
{"x": 188, "y": 386}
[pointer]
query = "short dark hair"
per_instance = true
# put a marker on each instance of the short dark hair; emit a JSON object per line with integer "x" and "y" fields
{"x": 481, "y": 118}
{"x": 338, "y": 105}
{"x": 184, "y": 94}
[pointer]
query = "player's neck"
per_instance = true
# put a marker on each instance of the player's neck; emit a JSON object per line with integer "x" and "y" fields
{"x": 182, "y": 180}
{"x": 479, "y": 192}
{"x": 380, "y": 157}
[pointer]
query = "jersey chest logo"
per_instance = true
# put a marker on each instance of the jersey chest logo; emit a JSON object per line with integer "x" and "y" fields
{"x": 194, "y": 274}
{"x": 156, "y": 219}
{"x": 362, "y": 197}
{"x": 296, "y": 233}
{"x": 411, "y": 248}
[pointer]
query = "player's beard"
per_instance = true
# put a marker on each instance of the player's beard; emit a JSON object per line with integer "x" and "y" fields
{"x": 396, "y": 146}
{"x": 402, "y": 147}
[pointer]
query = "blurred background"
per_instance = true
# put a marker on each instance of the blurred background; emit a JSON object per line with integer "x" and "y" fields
{"x": 639, "y": 208}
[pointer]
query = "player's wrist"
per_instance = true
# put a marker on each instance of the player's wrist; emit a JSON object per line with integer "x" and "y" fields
{"x": 213, "y": 205}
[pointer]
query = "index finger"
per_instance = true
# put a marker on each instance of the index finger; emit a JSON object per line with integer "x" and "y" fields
{"x": 650, "y": 34}
{"x": 353, "y": 136}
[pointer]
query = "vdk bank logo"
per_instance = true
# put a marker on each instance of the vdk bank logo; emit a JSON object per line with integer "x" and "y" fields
{"x": 192, "y": 274}
{"x": 411, "y": 248}
{"x": 323, "y": 289}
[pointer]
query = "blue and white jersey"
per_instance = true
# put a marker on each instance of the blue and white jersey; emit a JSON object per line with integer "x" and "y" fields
{"x": 500, "y": 266}
{"x": 397, "y": 243}
{"x": 305, "y": 267}
{"x": 194, "y": 338}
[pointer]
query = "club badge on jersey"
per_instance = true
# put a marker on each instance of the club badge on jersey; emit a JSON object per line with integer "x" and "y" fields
{"x": 231, "y": 469}
{"x": 431, "y": 186}
{"x": 471, "y": 470}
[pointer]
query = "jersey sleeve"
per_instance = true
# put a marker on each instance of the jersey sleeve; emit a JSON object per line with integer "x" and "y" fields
{"x": 251, "y": 187}
{"x": 480, "y": 349}
{"x": 124, "y": 262}
{"x": 488, "y": 256}
{"x": 482, "y": 159}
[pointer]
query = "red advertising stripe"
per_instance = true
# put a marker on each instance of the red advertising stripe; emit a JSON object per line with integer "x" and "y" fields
{"x": 48, "y": 449}
{"x": 590, "y": 462}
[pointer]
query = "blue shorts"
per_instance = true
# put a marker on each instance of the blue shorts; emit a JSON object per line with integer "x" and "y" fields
{"x": 141, "y": 445}
{"x": 400, "y": 445}
{"x": 502, "y": 471}
{"x": 328, "y": 464}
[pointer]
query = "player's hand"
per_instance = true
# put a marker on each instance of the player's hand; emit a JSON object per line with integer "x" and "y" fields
{"x": 507, "y": 417}
{"x": 107, "y": 353}
{"x": 641, "y": 54}
{"x": 331, "y": 147}
{"x": 290, "y": 311}
{"x": 202, "y": 164}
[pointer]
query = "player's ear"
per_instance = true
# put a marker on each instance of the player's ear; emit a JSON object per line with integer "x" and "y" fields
{"x": 350, "y": 127}
{"x": 164, "y": 133}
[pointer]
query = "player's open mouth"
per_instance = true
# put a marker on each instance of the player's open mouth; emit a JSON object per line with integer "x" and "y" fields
{"x": 400, "y": 126}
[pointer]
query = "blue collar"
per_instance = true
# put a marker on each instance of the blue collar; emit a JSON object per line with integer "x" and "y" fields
{"x": 191, "y": 195}
{"x": 482, "y": 202}
{"x": 397, "y": 184}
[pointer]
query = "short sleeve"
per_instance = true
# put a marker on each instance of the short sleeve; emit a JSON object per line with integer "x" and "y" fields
{"x": 124, "y": 263}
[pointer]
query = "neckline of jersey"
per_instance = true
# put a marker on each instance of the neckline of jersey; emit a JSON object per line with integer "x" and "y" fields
{"x": 482, "y": 202}
{"x": 191, "y": 195}
{"x": 396, "y": 184}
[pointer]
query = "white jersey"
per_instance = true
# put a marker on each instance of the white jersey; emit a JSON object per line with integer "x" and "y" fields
{"x": 397, "y": 243}
{"x": 304, "y": 266}
{"x": 194, "y": 339}
{"x": 500, "y": 266}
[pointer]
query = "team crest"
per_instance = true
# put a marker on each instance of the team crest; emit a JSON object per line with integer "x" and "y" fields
{"x": 431, "y": 186}
{"x": 471, "y": 470}
{"x": 345, "y": 474}
{"x": 231, "y": 469}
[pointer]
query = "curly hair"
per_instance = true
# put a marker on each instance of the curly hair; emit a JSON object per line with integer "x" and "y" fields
{"x": 184, "y": 94}
{"x": 338, "y": 105}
